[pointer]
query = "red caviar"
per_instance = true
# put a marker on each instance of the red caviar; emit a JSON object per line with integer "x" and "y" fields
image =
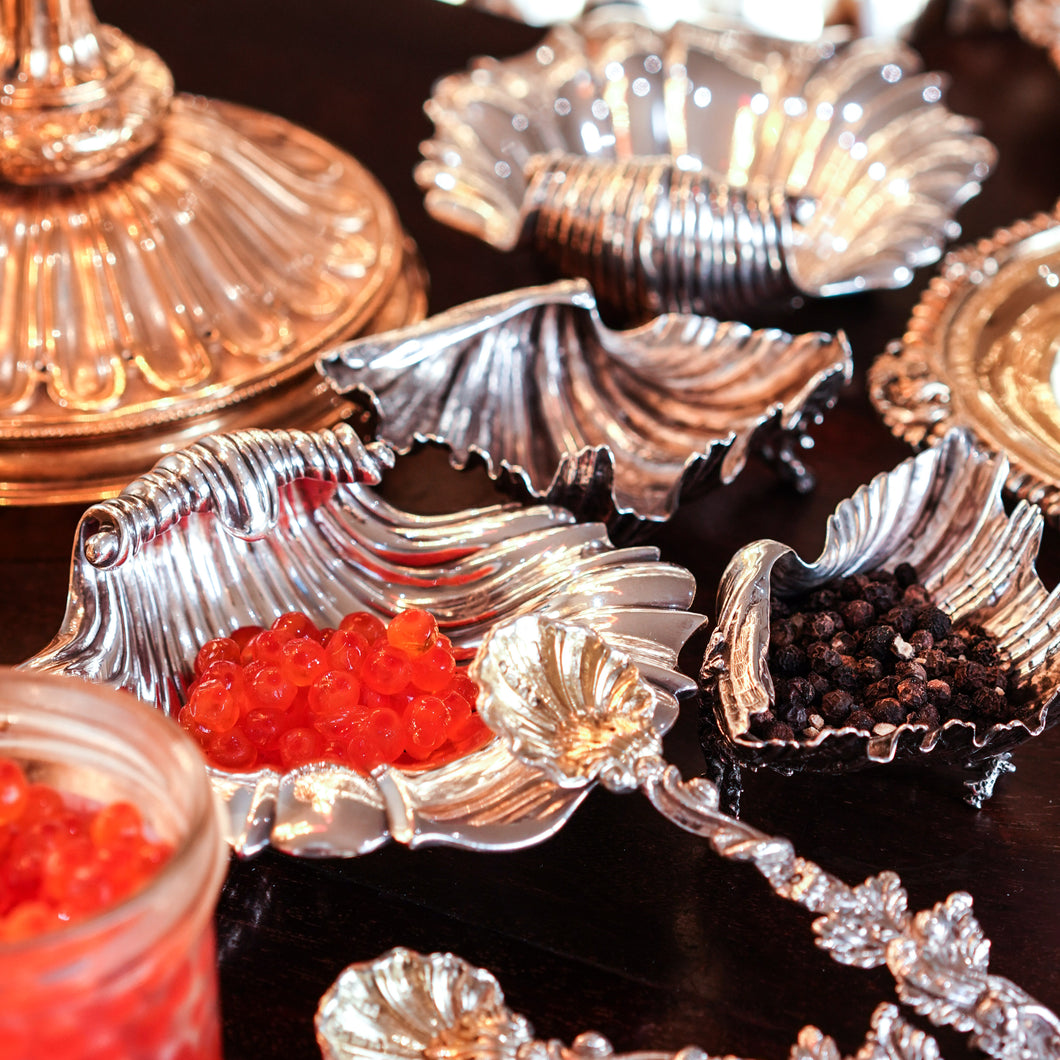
{"x": 364, "y": 694}
{"x": 62, "y": 860}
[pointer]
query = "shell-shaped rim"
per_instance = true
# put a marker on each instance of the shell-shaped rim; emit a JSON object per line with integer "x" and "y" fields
{"x": 403, "y": 1003}
{"x": 930, "y": 381}
{"x": 590, "y": 716}
{"x": 240, "y": 528}
{"x": 616, "y": 425}
{"x": 854, "y": 127}
{"x": 942, "y": 512}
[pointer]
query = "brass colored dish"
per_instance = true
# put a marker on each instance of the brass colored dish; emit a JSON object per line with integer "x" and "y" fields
{"x": 981, "y": 352}
{"x": 172, "y": 275}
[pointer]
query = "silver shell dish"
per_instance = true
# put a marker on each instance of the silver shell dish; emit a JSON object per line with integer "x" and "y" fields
{"x": 616, "y": 426}
{"x": 979, "y": 353}
{"x": 701, "y": 170}
{"x": 561, "y": 699}
{"x": 242, "y": 527}
{"x": 805, "y": 21}
{"x": 942, "y": 512}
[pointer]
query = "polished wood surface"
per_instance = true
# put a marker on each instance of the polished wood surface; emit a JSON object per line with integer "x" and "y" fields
{"x": 620, "y": 923}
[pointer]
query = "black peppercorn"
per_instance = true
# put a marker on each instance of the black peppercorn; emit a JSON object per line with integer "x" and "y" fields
{"x": 936, "y": 622}
{"x": 921, "y": 640}
{"x": 861, "y": 719}
{"x": 905, "y": 574}
{"x": 889, "y": 710}
{"x": 903, "y": 619}
{"x": 879, "y": 641}
{"x": 835, "y": 663}
{"x": 790, "y": 660}
{"x": 836, "y": 706}
{"x": 857, "y": 614}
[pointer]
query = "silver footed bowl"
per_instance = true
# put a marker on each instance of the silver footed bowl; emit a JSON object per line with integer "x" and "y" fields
{"x": 979, "y": 352}
{"x": 942, "y": 512}
{"x": 704, "y": 170}
{"x": 240, "y": 528}
{"x": 616, "y": 426}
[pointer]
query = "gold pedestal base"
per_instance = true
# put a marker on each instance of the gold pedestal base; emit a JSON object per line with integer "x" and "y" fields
{"x": 190, "y": 292}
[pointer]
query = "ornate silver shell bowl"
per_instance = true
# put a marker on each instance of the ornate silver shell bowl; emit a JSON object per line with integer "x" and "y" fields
{"x": 942, "y": 512}
{"x": 874, "y": 18}
{"x": 979, "y": 353}
{"x": 613, "y": 425}
{"x": 702, "y": 170}
{"x": 242, "y": 527}
{"x": 561, "y": 699}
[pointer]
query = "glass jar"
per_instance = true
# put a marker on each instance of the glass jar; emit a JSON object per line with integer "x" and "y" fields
{"x": 137, "y": 980}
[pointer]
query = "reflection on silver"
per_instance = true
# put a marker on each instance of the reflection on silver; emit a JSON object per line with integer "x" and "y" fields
{"x": 240, "y": 528}
{"x": 615, "y": 425}
{"x": 408, "y": 1006}
{"x": 803, "y": 20}
{"x": 980, "y": 353}
{"x": 942, "y": 512}
{"x": 699, "y": 140}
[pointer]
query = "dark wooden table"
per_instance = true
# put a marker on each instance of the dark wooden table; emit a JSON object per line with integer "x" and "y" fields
{"x": 620, "y": 923}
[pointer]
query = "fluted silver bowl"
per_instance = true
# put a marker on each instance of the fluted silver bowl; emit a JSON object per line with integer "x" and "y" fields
{"x": 242, "y": 527}
{"x": 616, "y": 426}
{"x": 804, "y": 21}
{"x": 702, "y": 170}
{"x": 941, "y": 511}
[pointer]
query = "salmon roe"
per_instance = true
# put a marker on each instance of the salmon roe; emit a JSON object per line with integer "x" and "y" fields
{"x": 363, "y": 694}
{"x": 62, "y": 859}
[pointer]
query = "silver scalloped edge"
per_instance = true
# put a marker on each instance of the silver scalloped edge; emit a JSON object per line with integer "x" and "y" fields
{"x": 856, "y": 128}
{"x": 613, "y": 425}
{"x": 941, "y": 511}
{"x": 913, "y": 389}
{"x": 240, "y": 528}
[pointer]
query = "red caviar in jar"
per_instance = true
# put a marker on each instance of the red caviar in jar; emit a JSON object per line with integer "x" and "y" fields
{"x": 63, "y": 860}
{"x": 111, "y": 861}
{"x": 364, "y": 694}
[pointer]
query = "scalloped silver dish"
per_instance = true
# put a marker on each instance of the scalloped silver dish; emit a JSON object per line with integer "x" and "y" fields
{"x": 942, "y": 512}
{"x": 702, "y": 170}
{"x": 980, "y": 353}
{"x": 615, "y": 426}
{"x": 241, "y": 527}
{"x": 874, "y": 18}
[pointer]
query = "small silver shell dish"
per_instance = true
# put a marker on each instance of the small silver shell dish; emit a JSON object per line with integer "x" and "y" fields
{"x": 408, "y": 1006}
{"x": 243, "y": 527}
{"x": 615, "y": 426}
{"x": 942, "y": 512}
{"x": 701, "y": 170}
{"x": 979, "y": 353}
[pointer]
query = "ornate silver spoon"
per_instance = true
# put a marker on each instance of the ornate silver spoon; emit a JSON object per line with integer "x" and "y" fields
{"x": 568, "y": 705}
